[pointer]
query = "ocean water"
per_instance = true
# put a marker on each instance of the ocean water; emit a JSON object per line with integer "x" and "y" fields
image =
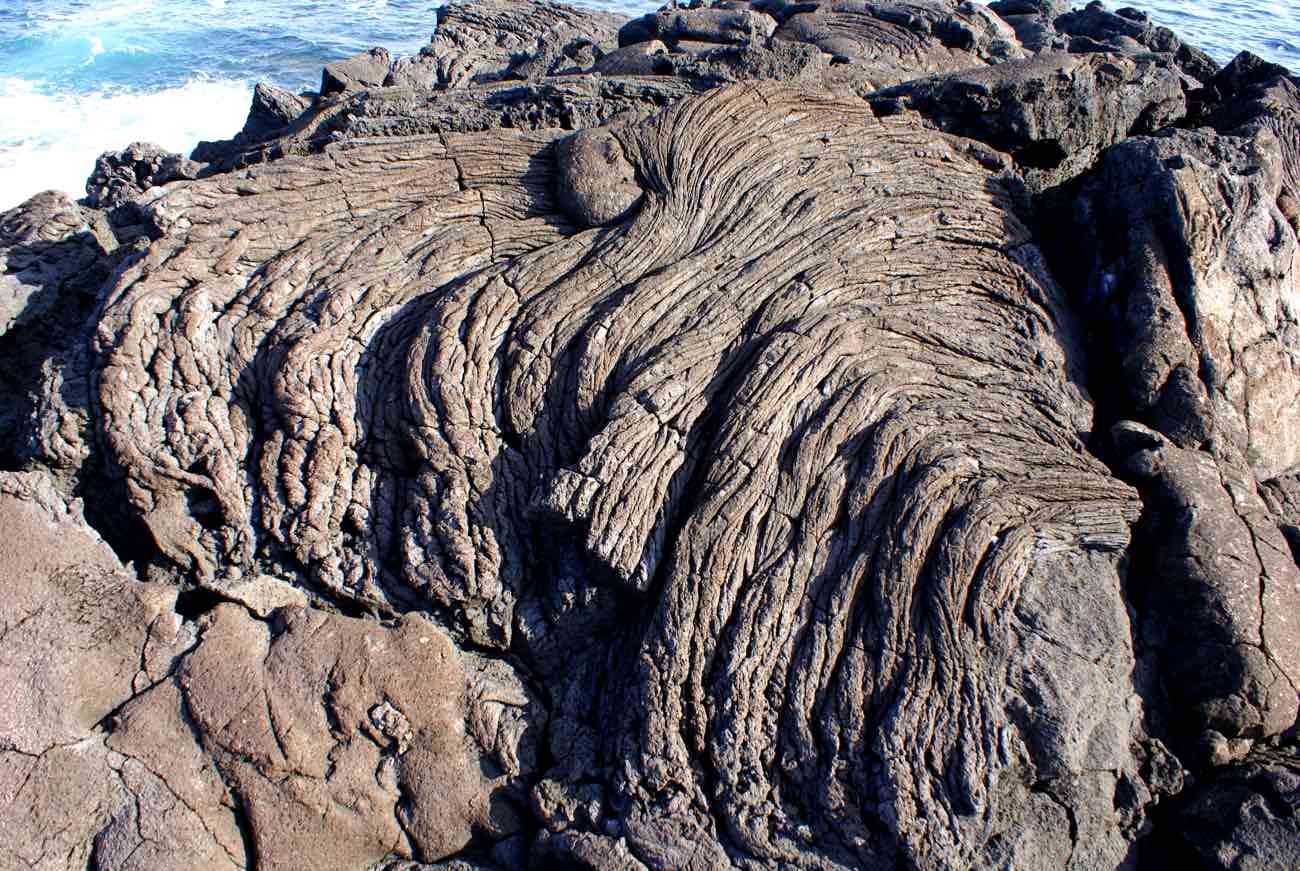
{"x": 79, "y": 77}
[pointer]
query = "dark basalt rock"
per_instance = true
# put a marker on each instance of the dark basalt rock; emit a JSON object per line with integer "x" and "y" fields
{"x": 477, "y": 43}
{"x": 1189, "y": 263}
{"x": 272, "y": 111}
{"x": 823, "y": 435}
{"x": 1054, "y": 113}
{"x": 640, "y": 59}
{"x": 1051, "y": 9}
{"x": 597, "y": 185}
{"x": 1247, "y": 816}
{"x": 1095, "y": 28}
{"x": 54, "y": 258}
{"x": 272, "y": 114}
{"x": 722, "y": 24}
{"x": 891, "y": 42}
{"x": 698, "y": 171}
{"x": 121, "y": 176}
{"x": 1191, "y": 240}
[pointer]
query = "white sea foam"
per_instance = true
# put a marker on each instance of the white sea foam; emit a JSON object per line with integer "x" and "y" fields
{"x": 51, "y": 141}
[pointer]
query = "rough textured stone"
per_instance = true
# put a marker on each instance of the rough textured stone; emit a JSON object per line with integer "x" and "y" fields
{"x": 550, "y": 455}
{"x": 51, "y": 805}
{"x": 65, "y": 590}
{"x": 1282, "y": 495}
{"x": 121, "y": 176}
{"x": 597, "y": 184}
{"x": 1188, "y": 275}
{"x": 893, "y": 42}
{"x": 1193, "y": 267}
{"x": 1052, "y": 9}
{"x": 343, "y": 741}
{"x": 52, "y": 261}
{"x": 182, "y": 807}
{"x": 640, "y": 59}
{"x": 1054, "y": 113}
{"x": 704, "y": 24}
{"x": 1223, "y": 595}
{"x": 507, "y": 39}
{"x": 1096, "y": 28}
{"x": 273, "y": 110}
{"x": 663, "y": 413}
{"x": 417, "y": 71}
{"x": 1247, "y": 817}
{"x": 368, "y": 69}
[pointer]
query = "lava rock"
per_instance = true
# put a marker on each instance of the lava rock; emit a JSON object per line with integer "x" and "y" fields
{"x": 545, "y": 454}
{"x": 715, "y": 24}
{"x": 121, "y": 176}
{"x": 367, "y": 69}
{"x": 1247, "y": 817}
{"x": 1054, "y": 113}
{"x": 273, "y": 109}
{"x": 597, "y": 184}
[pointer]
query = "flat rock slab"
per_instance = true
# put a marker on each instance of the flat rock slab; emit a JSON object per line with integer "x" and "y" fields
{"x": 74, "y": 631}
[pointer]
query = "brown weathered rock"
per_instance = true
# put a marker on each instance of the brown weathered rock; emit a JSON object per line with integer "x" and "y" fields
{"x": 183, "y": 810}
{"x": 552, "y": 455}
{"x": 123, "y": 175}
{"x": 597, "y": 185}
{"x": 343, "y": 741}
{"x": 506, "y": 39}
{"x": 1246, "y": 817}
{"x": 893, "y": 42}
{"x": 273, "y": 109}
{"x": 659, "y": 348}
{"x": 724, "y": 25}
{"x": 1186, "y": 263}
{"x": 1193, "y": 265}
{"x": 66, "y": 590}
{"x": 639, "y": 59}
{"x": 73, "y": 626}
{"x": 564, "y": 103}
{"x": 1130, "y": 31}
{"x": 1282, "y": 495}
{"x": 351, "y": 719}
{"x": 1222, "y": 597}
{"x": 367, "y": 69}
{"x": 334, "y": 743}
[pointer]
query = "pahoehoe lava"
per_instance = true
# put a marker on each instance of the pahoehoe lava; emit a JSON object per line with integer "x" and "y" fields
{"x": 821, "y": 435}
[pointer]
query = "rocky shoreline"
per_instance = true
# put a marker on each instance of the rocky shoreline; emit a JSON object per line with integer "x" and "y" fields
{"x": 826, "y": 435}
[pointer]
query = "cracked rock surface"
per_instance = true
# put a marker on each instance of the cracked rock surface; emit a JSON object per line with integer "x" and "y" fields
{"x": 820, "y": 435}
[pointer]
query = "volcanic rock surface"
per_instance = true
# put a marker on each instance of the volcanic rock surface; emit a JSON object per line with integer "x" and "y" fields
{"x": 814, "y": 435}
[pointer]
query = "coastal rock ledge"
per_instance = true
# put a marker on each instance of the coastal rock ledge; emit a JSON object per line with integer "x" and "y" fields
{"x": 819, "y": 435}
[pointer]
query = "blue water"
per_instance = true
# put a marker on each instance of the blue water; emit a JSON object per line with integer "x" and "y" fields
{"x": 78, "y": 77}
{"x": 1269, "y": 28}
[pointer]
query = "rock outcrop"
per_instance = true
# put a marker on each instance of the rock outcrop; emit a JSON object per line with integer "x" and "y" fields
{"x": 55, "y": 258}
{"x": 814, "y": 435}
{"x": 1191, "y": 261}
{"x": 120, "y": 177}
